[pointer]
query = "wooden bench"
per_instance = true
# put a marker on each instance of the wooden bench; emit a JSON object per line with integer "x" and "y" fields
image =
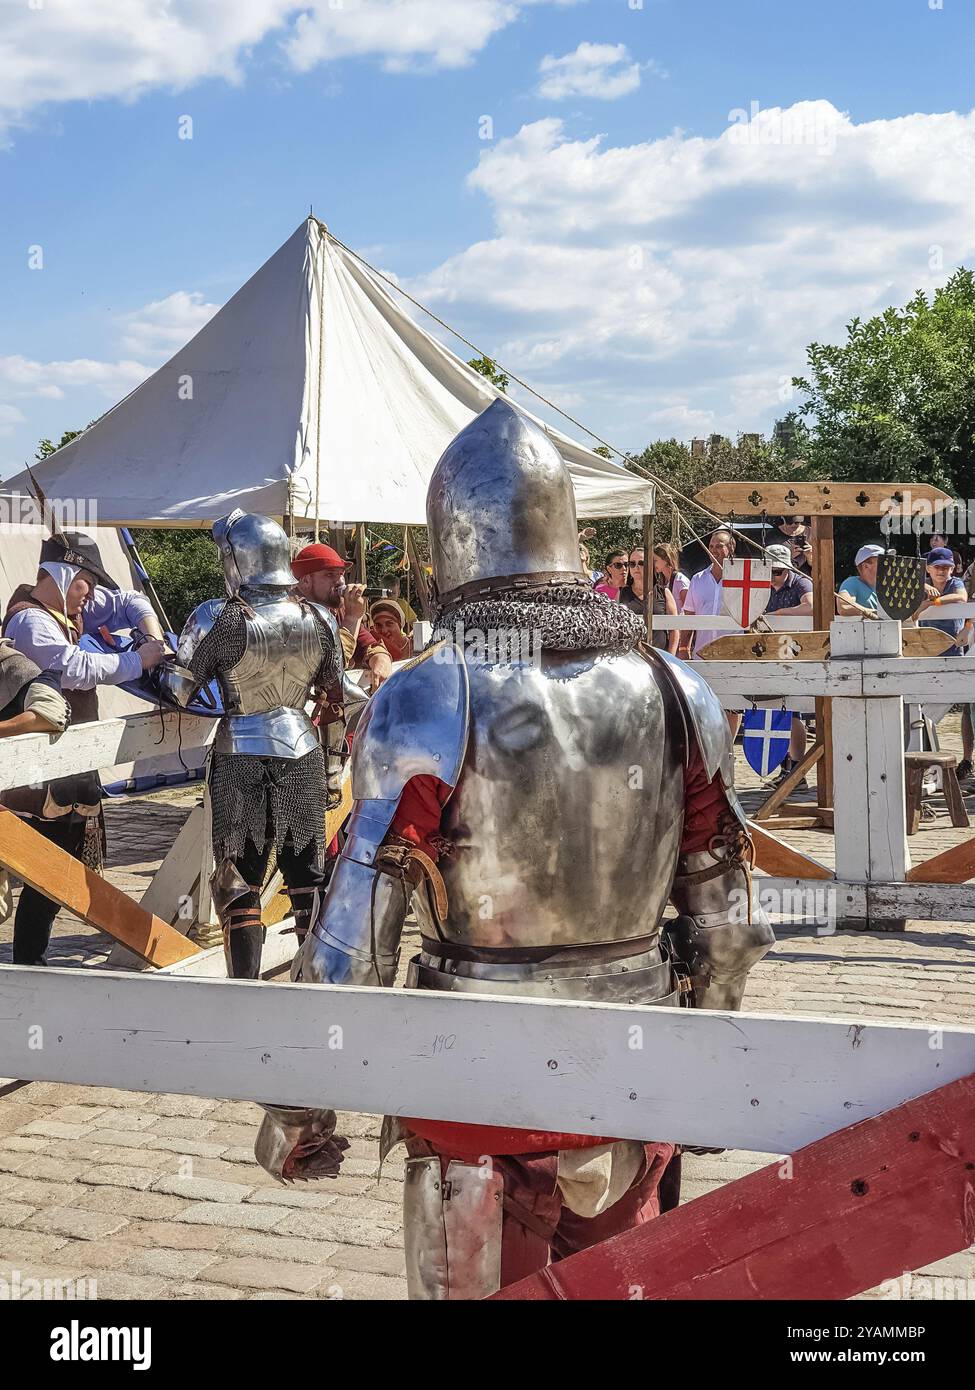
{"x": 915, "y": 766}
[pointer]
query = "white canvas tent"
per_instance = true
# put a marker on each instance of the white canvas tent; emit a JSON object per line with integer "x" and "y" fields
{"x": 311, "y": 392}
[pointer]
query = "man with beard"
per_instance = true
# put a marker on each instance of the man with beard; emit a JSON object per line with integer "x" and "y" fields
{"x": 321, "y": 575}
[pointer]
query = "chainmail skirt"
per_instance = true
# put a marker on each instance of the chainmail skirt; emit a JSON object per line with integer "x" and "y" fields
{"x": 259, "y": 798}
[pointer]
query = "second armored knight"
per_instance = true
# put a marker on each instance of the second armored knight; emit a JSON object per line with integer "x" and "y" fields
{"x": 269, "y": 650}
{"x": 538, "y": 784}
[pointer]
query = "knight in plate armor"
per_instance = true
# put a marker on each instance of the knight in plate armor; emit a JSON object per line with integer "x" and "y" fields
{"x": 268, "y": 649}
{"x": 537, "y": 784}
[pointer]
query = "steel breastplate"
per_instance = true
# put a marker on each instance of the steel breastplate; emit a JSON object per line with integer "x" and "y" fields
{"x": 265, "y": 693}
{"x": 567, "y": 817}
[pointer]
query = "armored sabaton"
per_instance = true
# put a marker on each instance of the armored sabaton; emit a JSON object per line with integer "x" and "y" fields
{"x": 268, "y": 650}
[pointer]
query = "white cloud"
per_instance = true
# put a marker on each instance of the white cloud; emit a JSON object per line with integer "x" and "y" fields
{"x": 161, "y": 328}
{"x": 65, "y": 50}
{"x": 23, "y": 377}
{"x": 676, "y": 283}
{"x": 9, "y": 417}
{"x": 398, "y": 31}
{"x": 601, "y": 70}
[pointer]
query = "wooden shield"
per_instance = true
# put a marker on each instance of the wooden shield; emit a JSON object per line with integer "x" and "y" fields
{"x": 746, "y": 586}
{"x": 900, "y": 585}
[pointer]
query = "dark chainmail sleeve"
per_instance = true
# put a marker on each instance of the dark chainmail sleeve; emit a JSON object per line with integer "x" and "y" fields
{"x": 222, "y": 647}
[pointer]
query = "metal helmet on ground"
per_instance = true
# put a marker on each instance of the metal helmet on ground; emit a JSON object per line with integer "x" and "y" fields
{"x": 501, "y": 510}
{"x": 254, "y": 550}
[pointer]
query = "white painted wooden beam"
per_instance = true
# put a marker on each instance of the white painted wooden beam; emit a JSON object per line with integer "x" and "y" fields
{"x": 802, "y": 900}
{"x": 105, "y": 744}
{"x": 751, "y": 1081}
{"x": 783, "y": 679}
{"x": 920, "y": 680}
{"x": 723, "y": 622}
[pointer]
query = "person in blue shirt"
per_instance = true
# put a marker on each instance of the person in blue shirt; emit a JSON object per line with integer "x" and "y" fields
{"x": 857, "y": 596}
{"x": 942, "y": 590}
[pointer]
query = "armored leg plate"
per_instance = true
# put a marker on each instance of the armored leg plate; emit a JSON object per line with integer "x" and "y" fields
{"x": 452, "y": 1229}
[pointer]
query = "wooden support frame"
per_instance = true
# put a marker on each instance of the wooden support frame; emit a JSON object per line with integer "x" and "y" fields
{"x": 843, "y": 1215}
{"x": 824, "y": 610}
{"x": 64, "y": 879}
{"x": 955, "y": 865}
{"x": 789, "y": 784}
{"x": 774, "y": 857}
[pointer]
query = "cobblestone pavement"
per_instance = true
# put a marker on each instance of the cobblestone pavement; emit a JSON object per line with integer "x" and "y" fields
{"x": 157, "y": 1196}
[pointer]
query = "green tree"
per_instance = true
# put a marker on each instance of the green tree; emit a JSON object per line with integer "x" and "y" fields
{"x": 896, "y": 401}
{"x": 46, "y": 447}
{"x": 184, "y": 567}
{"x": 489, "y": 368}
{"x": 672, "y": 462}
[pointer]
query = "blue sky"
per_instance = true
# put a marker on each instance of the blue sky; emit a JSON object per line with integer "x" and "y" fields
{"x": 612, "y": 242}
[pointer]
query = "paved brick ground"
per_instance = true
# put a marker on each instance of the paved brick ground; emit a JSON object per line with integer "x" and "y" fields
{"x": 159, "y": 1196}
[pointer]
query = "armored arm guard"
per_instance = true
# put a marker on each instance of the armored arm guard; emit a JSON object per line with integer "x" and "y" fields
{"x": 196, "y": 655}
{"x": 416, "y": 725}
{"x": 722, "y": 931}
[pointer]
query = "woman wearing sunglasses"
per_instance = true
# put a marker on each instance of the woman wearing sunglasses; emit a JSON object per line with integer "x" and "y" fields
{"x": 664, "y": 605}
{"x": 614, "y": 574}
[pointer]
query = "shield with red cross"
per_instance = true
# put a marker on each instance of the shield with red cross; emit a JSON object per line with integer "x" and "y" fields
{"x": 745, "y": 589}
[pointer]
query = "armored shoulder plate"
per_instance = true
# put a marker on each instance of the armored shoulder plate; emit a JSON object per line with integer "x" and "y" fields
{"x": 416, "y": 723}
{"x": 703, "y": 709}
{"x": 197, "y": 625}
{"x": 326, "y": 616}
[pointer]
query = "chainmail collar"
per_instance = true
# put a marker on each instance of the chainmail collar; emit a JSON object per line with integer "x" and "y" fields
{"x": 562, "y": 619}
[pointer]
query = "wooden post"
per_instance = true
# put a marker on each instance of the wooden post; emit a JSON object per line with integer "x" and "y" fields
{"x": 868, "y": 816}
{"x": 206, "y": 915}
{"x": 419, "y": 578}
{"x": 360, "y": 553}
{"x": 648, "y": 574}
{"x": 824, "y": 608}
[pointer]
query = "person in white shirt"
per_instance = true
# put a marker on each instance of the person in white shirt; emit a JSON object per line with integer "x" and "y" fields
{"x": 703, "y": 599}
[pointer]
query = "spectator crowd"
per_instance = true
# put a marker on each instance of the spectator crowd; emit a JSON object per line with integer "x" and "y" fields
{"x": 790, "y": 556}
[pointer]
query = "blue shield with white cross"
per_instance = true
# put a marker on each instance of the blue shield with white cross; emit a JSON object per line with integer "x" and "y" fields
{"x": 765, "y": 738}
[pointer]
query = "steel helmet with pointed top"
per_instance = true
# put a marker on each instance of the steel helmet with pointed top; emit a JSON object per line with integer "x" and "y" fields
{"x": 500, "y": 509}
{"x": 254, "y": 550}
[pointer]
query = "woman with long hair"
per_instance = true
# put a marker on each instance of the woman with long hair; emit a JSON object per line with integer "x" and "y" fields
{"x": 666, "y": 565}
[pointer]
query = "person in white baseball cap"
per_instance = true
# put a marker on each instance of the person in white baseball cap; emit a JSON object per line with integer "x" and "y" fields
{"x": 857, "y": 596}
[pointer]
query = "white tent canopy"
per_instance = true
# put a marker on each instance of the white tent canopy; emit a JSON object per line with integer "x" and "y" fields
{"x": 310, "y": 392}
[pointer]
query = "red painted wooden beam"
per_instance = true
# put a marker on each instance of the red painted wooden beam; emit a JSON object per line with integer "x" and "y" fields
{"x": 860, "y": 1206}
